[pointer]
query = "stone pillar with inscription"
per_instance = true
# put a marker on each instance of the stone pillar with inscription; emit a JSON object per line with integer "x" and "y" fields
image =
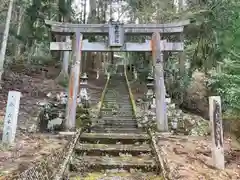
{"x": 215, "y": 114}
{"x": 11, "y": 117}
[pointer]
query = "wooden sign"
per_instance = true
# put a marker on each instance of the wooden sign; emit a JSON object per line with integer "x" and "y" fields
{"x": 116, "y": 34}
{"x": 11, "y": 117}
{"x": 215, "y": 114}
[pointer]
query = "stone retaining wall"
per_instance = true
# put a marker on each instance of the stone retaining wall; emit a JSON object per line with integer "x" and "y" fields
{"x": 188, "y": 124}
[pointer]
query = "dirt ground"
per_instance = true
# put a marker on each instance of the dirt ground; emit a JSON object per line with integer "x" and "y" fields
{"x": 190, "y": 157}
{"x": 20, "y": 155}
{"x": 30, "y": 147}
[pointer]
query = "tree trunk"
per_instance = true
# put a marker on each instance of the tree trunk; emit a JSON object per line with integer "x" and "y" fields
{"x": 64, "y": 76}
{"x": 91, "y": 19}
{"x": 93, "y": 12}
{"x": 34, "y": 47}
{"x": 182, "y": 58}
{"x": 20, "y": 21}
{"x": 85, "y": 12}
{"x": 66, "y": 58}
{"x": 5, "y": 38}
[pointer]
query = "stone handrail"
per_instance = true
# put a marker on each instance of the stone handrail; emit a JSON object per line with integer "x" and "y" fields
{"x": 130, "y": 94}
{"x": 160, "y": 155}
{"x": 103, "y": 95}
{"x": 64, "y": 164}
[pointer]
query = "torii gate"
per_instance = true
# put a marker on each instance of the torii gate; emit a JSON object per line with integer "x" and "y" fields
{"x": 116, "y": 32}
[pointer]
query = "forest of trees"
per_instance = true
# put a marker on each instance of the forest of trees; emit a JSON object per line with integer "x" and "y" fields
{"x": 211, "y": 44}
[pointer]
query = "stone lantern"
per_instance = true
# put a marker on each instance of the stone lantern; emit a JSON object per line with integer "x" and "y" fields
{"x": 174, "y": 124}
{"x": 84, "y": 98}
{"x": 135, "y": 73}
{"x": 150, "y": 90}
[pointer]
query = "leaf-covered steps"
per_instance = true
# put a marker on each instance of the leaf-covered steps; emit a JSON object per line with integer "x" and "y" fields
{"x": 114, "y": 150}
{"x": 115, "y": 162}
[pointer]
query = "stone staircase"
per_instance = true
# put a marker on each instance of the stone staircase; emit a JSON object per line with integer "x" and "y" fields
{"x": 104, "y": 151}
{"x": 116, "y": 112}
{"x": 115, "y": 141}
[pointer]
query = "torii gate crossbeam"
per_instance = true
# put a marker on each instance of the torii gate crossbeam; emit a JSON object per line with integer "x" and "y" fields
{"x": 103, "y": 29}
{"x": 127, "y": 47}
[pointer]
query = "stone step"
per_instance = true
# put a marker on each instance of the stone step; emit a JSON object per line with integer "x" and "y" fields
{"x": 124, "y": 108}
{"x": 115, "y": 136}
{"x": 119, "y": 104}
{"x": 119, "y": 112}
{"x": 118, "y": 118}
{"x": 117, "y": 90}
{"x": 114, "y": 93}
{"x": 106, "y": 109}
{"x": 114, "y": 105}
{"x": 119, "y": 95}
{"x": 116, "y": 127}
{"x": 114, "y": 162}
{"x": 116, "y": 130}
{"x": 110, "y": 119}
{"x": 117, "y": 101}
{"x": 122, "y": 102}
{"x": 143, "y": 148}
{"x": 117, "y": 107}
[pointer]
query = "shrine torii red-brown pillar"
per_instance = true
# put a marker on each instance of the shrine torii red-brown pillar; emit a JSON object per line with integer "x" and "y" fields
{"x": 160, "y": 90}
{"x": 73, "y": 88}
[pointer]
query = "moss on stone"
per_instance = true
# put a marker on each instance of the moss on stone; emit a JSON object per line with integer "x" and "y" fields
{"x": 98, "y": 176}
{"x": 82, "y": 117}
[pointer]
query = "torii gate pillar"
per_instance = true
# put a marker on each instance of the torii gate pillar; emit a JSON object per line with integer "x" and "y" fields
{"x": 160, "y": 90}
{"x": 73, "y": 88}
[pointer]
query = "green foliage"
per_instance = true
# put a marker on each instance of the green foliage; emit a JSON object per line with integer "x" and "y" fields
{"x": 65, "y": 8}
{"x": 212, "y": 44}
{"x": 225, "y": 78}
{"x": 34, "y": 35}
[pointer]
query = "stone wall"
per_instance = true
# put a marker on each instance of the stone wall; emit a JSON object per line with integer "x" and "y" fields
{"x": 188, "y": 124}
